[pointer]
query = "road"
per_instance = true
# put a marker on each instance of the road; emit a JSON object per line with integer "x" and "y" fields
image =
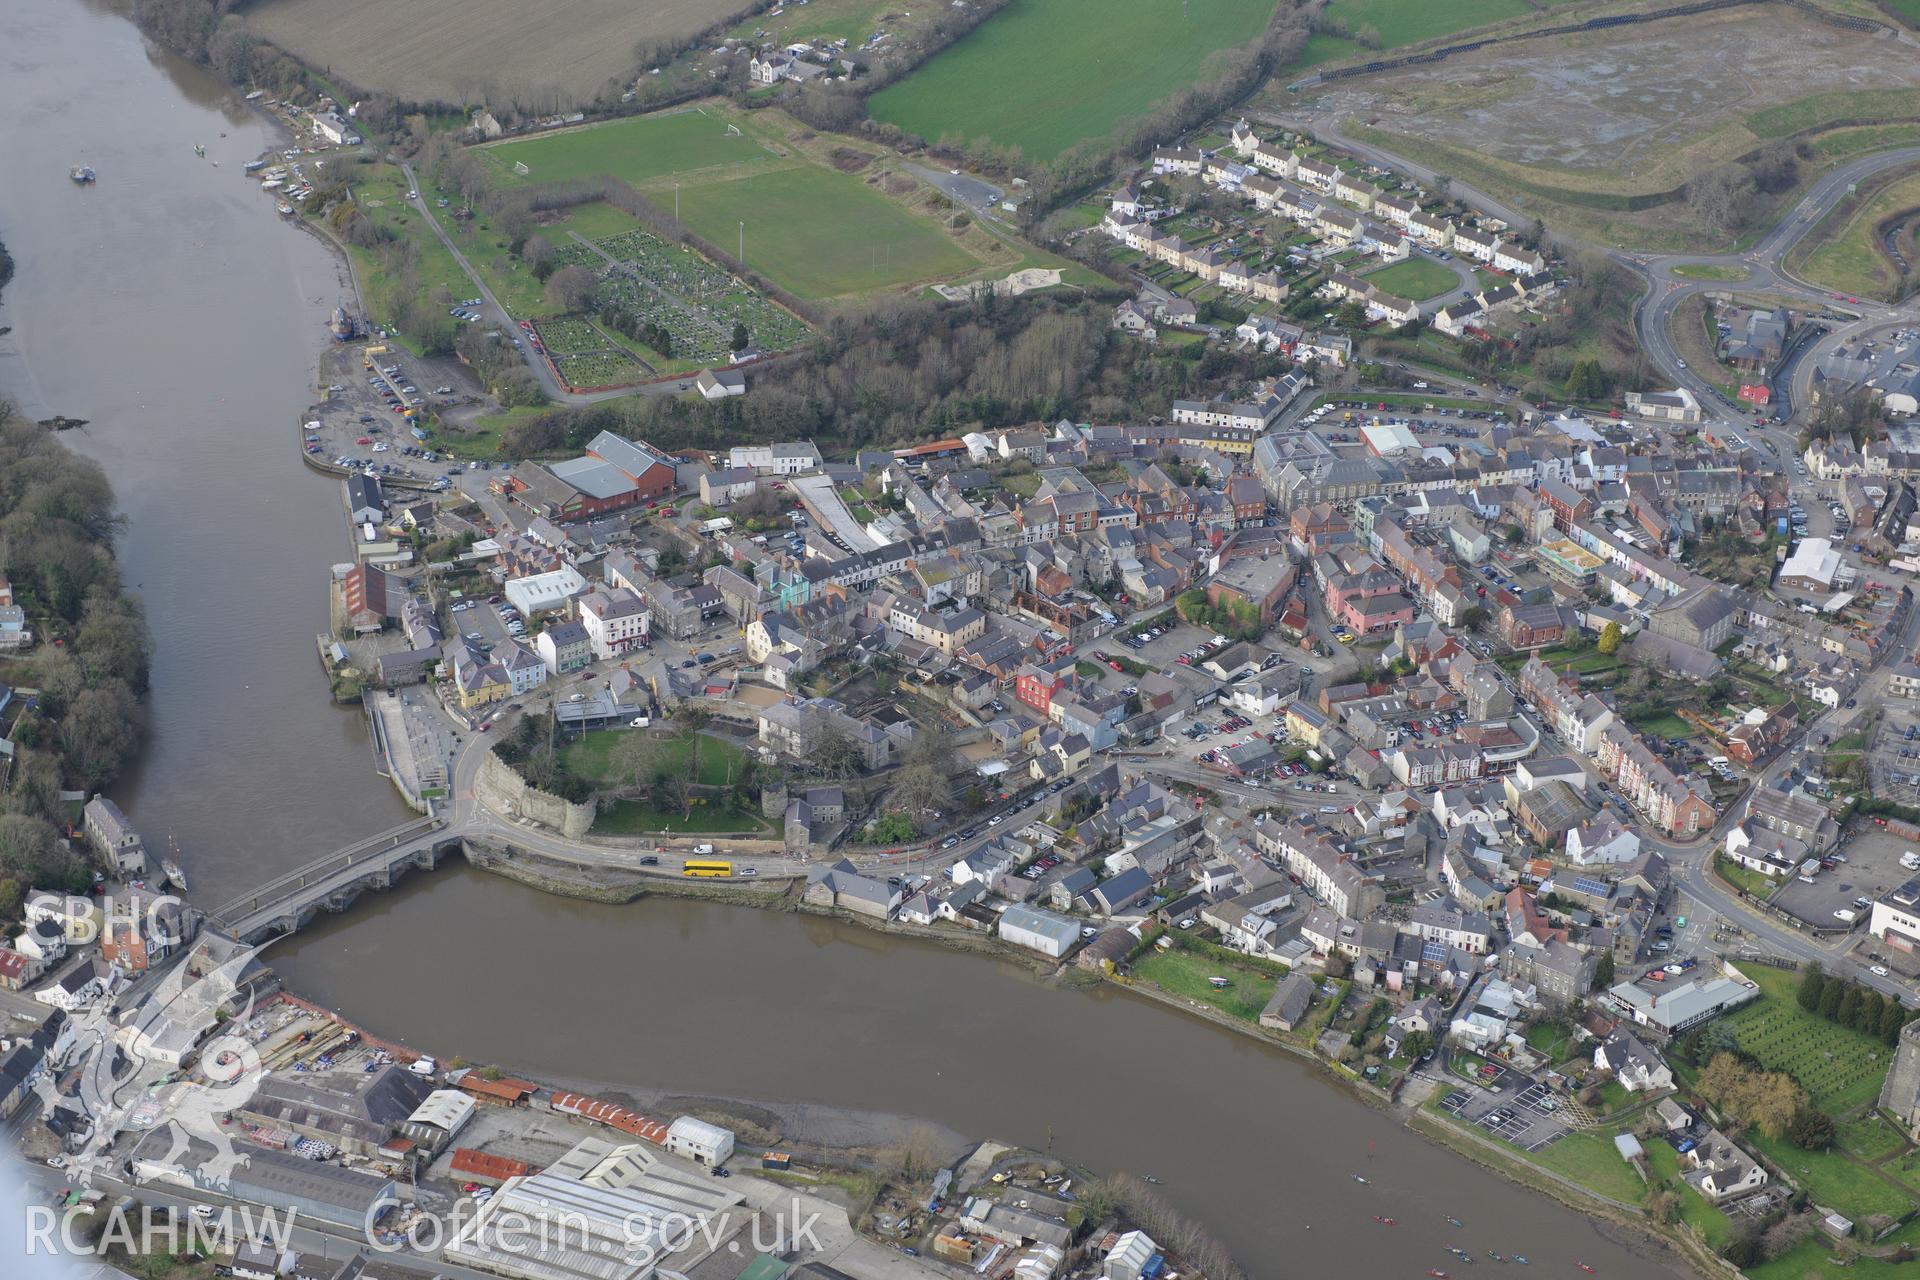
{"x": 976, "y": 194}
{"x": 508, "y": 325}
{"x": 1766, "y": 273}
{"x": 1691, "y": 860}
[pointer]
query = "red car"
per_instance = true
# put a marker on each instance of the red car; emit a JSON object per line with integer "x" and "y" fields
{"x": 364, "y": 440}
{"x": 1116, "y": 666}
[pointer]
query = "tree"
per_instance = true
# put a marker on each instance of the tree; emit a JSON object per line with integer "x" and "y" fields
{"x": 99, "y": 733}
{"x": 924, "y": 780}
{"x": 570, "y": 289}
{"x": 1830, "y": 998}
{"x": 1603, "y": 972}
{"x": 1867, "y": 1017}
{"x": 1475, "y": 617}
{"x": 1811, "y": 1129}
{"x": 1849, "y": 1011}
{"x": 1812, "y": 985}
{"x": 1720, "y": 197}
{"x": 835, "y": 754}
{"x": 1892, "y": 1018}
{"x": 740, "y": 336}
{"x": 635, "y": 759}
{"x": 1610, "y": 638}
{"x": 537, "y": 253}
{"x": 1417, "y": 1044}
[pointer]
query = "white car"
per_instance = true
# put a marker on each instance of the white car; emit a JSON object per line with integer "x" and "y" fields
{"x": 996, "y": 819}
{"x": 203, "y": 1211}
{"x": 1878, "y": 971}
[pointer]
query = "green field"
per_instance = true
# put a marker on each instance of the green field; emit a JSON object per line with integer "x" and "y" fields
{"x": 1710, "y": 271}
{"x": 1841, "y": 1068}
{"x": 820, "y": 233}
{"x": 1850, "y": 256}
{"x": 1416, "y": 278}
{"x": 591, "y": 756}
{"x": 381, "y": 192}
{"x": 1185, "y": 974}
{"x": 628, "y": 818}
{"x": 639, "y": 150}
{"x": 810, "y": 228}
{"x": 1832, "y": 1178}
{"x": 1740, "y": 877}
{"x": 1042, "y": 75}
{"x": 1395, "y": 22}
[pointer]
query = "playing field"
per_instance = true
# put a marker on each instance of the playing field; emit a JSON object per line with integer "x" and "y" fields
{"x": 820, "y": 233}
{"x": 810, "y": 228}
{"x": 639, "y": 150}
{"x": 1416, "y": 278}
{"x": 1042, "y": 75}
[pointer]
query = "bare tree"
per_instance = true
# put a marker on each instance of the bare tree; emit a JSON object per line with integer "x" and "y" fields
{"x": 570, "y": 289}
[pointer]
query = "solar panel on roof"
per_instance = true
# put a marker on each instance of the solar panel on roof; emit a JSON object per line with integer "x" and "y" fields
{"x": 1591, "y": 886}
{"x": 1434, "y": 952}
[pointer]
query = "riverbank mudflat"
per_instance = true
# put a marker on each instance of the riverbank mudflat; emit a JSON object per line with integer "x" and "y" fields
{"x": 856, "y": 1134}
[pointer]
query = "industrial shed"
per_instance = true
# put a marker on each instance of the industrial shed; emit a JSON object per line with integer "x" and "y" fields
{"x": 698, "y": 1141}
{"x": 1041, "y": 931}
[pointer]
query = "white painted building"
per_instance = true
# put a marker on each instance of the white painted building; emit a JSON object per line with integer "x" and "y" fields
{"x": 698, "y": 1141}
{"x": 615, "y": 619}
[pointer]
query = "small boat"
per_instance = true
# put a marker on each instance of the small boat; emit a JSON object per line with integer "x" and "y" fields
{"x": 1385, "y": 1222}
{"x": 199, "y": 149}
{"x": 286, "y": 210}
{"x": 1438, "y": 1274}
{"x": 1497, "y": 1257}
{"x": 1520, "y": 1258}
{"x": 1362, "y": 1181}
{"x": 1584, "y": 1267}
{"x": 81, "y": 174}
{"x": 171, "y": 865}
{"x": 1150, "y": 1178}
{"x": 254, "y": 166}
{"x": 256, "y": 95}
{"x": 1455, "y": 1222}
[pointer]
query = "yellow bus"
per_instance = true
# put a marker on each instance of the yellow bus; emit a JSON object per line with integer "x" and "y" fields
{"x": 707, "y": 869}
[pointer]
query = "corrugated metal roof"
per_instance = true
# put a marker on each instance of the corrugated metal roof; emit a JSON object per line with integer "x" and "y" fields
{"x": 505, "y": 1087}
{"x": 485, "y": 1164}
{"x": 613, "y": 1117}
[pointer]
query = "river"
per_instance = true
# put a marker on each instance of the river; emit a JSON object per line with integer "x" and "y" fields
{"x": 170, "y": 307}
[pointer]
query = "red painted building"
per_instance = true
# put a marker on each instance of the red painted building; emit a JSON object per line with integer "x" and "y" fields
{"x": 1037, "y": 687}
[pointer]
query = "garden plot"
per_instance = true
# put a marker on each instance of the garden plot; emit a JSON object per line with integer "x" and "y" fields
{"x": 584, "y": 358}
{"x": 689, "y": 298}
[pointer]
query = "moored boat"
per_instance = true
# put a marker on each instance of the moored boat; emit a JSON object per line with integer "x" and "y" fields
{"x": 81, "y": 174}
